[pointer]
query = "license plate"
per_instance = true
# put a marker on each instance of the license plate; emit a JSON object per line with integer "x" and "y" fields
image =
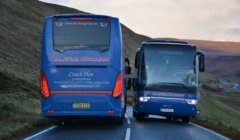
{"x": 167, "y": 110}
{"x": 81, "y": 105}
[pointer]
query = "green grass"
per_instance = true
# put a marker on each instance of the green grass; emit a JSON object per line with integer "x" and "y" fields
{"x": 18, "y": 111}
{"x": 20, "y": 114}
{"x": 21, "y": 125}
{"x": 220, "y": 112}
{"x": 20, "y": 42}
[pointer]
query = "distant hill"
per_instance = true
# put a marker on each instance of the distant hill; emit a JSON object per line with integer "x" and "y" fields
{"x": 20, "y": 42}
{"x": 212, "y": 48}
{"x": 222, "y": 58}
{"x": 20, "y": 38}
{"x": 217, "y": 47}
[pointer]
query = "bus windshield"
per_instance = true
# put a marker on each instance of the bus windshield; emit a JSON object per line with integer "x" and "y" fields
{"x": 164, "y": 66}
{"x": 81, "y": 34}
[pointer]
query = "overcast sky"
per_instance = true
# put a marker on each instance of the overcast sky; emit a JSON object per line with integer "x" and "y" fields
{"x": 186, "y": 19}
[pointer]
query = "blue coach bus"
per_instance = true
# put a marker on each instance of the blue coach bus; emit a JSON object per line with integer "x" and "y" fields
{"x": 167, "y": 80}
{"x": 82, "y": 67}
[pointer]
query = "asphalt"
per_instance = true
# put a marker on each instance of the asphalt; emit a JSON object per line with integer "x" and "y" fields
{"x": 152, "y": 128}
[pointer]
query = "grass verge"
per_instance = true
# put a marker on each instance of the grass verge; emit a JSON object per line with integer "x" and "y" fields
{"x": 19, "y": 115}
{"x": 220, "y": 112}
{"x": 218, "y": 127}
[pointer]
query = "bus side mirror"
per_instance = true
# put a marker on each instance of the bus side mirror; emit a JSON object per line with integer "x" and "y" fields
{"x": 127, "y": 67}
{"x": 135, "y": 83}
{"x": 137, "y": 59}
{"x": 128, "y": 70}
{"x": 201, "y": 57}
{"x": 129, "y": 83}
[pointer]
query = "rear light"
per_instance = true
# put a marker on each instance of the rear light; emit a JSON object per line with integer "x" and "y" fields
{"x": 81, "y": 19}
{"x": 44, "y": 87}
{"x": 110, "y": 111}
{"x": 117, "y": 91}
{"x": 50, "y": 110}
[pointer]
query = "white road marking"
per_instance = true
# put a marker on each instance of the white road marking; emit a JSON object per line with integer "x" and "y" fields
{"x": 39, "y": 133}
{"x": 129, "y": 109}
{"x": 128, "y": 121}
{"x": 211, "y": 131}
{"x": 219, "y": 135}
{"x": 127, "y": 137}
{"x": 161, "y": 117}
{"x": 128, "y": 112}
{"x": 156, "y": 117}
{"x": 128, "y": 132}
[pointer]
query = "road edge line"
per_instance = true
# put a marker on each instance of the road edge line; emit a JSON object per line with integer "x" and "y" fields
{"x": 128, "y": 121}
{"x": 127, "y": 137}
{"x": 39, "y": 133}
{"x": 206, "y": 129}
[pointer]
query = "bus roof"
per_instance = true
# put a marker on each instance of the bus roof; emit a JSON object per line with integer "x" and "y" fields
{"x": 168, "y": 42}
{"x": 80, "y": 15}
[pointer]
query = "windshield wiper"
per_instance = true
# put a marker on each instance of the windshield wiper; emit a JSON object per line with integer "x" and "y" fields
{"x": 174, "y": 84}
{"x": 169, "y": 86}
{"x": 153, "y": 85}
{"x": 159, "y": 84}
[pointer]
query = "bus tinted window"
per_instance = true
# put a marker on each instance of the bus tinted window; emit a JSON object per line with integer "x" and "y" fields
{"x": 81, "y": 34}
{"x": 168, "y": 65}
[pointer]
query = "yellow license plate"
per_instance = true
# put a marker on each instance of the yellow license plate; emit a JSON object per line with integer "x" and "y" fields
{"x": 81, "y": 105}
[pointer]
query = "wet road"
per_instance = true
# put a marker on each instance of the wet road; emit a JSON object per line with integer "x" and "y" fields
{"x": 152, "y": 128}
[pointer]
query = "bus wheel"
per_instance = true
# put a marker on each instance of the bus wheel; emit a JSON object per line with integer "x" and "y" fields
{"x": 57, "y": 122}
{"x": 169, "y": 118}
{"x": 119, "y": 120}
{"x": 139, "y": 116}
{"x": 186, "y": 119}
{"x": 134, "y": 113}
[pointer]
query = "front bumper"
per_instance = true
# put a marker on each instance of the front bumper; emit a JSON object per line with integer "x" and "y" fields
{"x": 101, "y": 105}
{"x": 166, "y": 107}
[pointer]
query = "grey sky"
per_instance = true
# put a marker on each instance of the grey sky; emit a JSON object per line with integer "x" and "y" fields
{"x": 187, "y": 19}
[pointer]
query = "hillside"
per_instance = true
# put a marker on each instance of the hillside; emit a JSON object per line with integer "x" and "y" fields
{"x": 20, "y": 42}
{"x": 222, "y": 58}
{"x": 214, "y": 48}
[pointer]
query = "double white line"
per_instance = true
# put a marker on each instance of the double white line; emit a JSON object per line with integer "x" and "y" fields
{"x": 127, "y": 137}
{"x": 128, "y": 132}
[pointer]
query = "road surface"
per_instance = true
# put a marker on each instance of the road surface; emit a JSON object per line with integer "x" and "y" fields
{"x": 152, "y": 128}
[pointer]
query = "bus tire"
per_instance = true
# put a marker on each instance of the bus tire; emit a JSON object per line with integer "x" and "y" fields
{"x": 169, "y": 118}
{"x": 134, "y": 114}
{"x": 57, "y": 122}
{"x": 139, "y": 116}
{"x": 119, "y": 120}
{"x": 186, "y": 119}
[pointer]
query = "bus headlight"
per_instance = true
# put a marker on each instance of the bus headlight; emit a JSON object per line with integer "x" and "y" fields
{"x": 144, "y": 99}
{"x": 191, "y": 101}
